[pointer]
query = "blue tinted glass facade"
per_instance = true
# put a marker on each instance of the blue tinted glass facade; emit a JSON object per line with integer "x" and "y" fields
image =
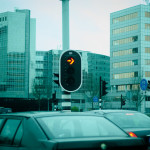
{"x": 15, "y": 49}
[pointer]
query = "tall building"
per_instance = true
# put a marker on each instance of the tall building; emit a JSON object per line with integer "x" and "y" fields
{"x": 17, "y": 54}
{"x": 94, "y": 66}
{"x": 129, "y": 51}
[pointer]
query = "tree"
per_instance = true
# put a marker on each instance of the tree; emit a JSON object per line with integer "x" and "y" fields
{"x": 137, "y": 96}
{"x": 91, "y": 87}
{"x": 41, "y": 90}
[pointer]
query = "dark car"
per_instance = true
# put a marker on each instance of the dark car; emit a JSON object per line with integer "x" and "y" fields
{"x": 63, "y": 131}
{"x": 136, "y": 124}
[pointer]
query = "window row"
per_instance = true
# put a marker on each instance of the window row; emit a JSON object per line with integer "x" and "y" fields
{"x": 126, "y": 40}
{"x": 147, "y": 61}
{"x": 125, "y": 75}
{"x": 125, "y": 64}
{"x": 125, "y": 29}
{"x": 147, "y": 49}
{"x": 126, "y": 17}
{"x": 3, "y": 19}
{"x": 147, "y": 38}
{"x": 125, "y": 52}
{"x": 147, "y": 14}
{"x": 147, "y": 73}
{"x": 147, "y": 26}
{"x": 3, "y": 29}
{"x": 128, "y": 87}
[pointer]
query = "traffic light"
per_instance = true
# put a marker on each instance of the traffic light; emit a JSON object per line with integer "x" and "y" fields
{"x": 104, "y": 88}
{"x": 70, "y": 71}
{"x": 55, "y": 101}
{"x": 123, "y": 102}
{"x": 56, "y": 81}
{"x": 148, "y": 85}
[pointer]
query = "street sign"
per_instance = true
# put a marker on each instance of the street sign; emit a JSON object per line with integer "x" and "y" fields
{"x": 95, "y": 99}
{"x": 143, "y": 84}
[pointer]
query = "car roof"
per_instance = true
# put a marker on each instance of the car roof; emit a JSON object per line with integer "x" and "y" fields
{"x": 114, "y": 111}
{"x": 47, "y": 113}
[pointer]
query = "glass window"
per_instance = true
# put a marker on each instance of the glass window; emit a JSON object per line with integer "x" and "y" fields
{"x": 79, "y": 126}
{"x": 125, "y": 29}
{"x": 147, "y": 62}
{"x": 126, "y": 17}
{"x": 126, "y": 40}
{"x": 147, "y": 14}
{"x": 147, "y": 26}
{"x": 1, "y": 122}
{"x": 130, "y": 120}
{"x": 147, "y": 49}
{"x": 147, "y": 38}
{"x": 18, "y": 136}
{"x": 9, "y": 131}
{"x": 121, "y": 87}
{"x": 125, "y": 75}
{"x": 147, "y": 74}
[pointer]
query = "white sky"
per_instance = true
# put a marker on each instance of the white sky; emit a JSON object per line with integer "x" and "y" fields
{"x": 89, "y": 22}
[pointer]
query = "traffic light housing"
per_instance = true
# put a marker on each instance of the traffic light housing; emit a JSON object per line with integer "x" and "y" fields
{"x": 123, "y": 102}
{"x": 70, "y": 71}
{"x": 56, "y": 81}
{"x": 55, "y": 101}
{"x": 104, "y": 88}
{"x": 148, "y": 84}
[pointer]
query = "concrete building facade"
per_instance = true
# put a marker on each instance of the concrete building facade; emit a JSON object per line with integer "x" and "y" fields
{"x": 130, "y": 52}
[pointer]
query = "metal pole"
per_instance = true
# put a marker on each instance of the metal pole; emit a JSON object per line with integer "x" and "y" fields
{"x": 121, "y": 101}
{"x": 100, "y": 90}
{"x": 65, "y": 24}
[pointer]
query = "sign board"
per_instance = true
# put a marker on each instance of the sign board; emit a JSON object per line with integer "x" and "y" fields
{"x": 95, "y": 99}
{"x": 143, "y": 84}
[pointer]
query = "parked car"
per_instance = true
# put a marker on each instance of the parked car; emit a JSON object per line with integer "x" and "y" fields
{"x": 136, "y": 124}
{"x": 4, "y": 110}
{"x": 63, "y": 131}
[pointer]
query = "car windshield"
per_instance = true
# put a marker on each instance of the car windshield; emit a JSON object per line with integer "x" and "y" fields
{"x": 130, "y": 120}
{"x": 79, "y": 126}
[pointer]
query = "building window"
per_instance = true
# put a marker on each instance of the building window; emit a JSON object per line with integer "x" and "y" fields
{"x": 125, "y": 64}
{"x": 147, "y": 61}
{"x": 125, "y": 29}
{"x": 135, "y": 86}
{"x": 125, "y": 75}
{"x": 147, "y": 49}
{"x": 121, "y": 87}
{"x": 125, "y": 52}
{"x": 147, "y": 38}
{"x": 128, "y": 87}
{"x": 147, "y": 26}
{"x": 125, "y": 18}
{"x": 125, "y": 41}
{"x": 147, "y": 74}
{"x": 147, "y": 14}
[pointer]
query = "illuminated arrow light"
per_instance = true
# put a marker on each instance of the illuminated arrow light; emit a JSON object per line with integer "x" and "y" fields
{"x": 70, "y": 61}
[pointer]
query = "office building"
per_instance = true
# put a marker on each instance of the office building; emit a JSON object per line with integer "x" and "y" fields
{"x": 17, "y": 54}
{"x": 130, "y": 52}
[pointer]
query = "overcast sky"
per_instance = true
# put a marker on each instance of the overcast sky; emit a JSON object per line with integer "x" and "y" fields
{"x": 89, "y": 22}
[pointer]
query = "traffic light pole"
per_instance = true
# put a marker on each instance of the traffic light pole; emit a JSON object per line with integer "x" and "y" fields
{"x": 66, "y": 101}
{"x": 121, "y": 101}
{"x": 100, "y": 90}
